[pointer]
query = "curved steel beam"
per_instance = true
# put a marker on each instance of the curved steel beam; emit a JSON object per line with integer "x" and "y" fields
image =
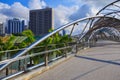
{"x": 110, "y": 22}
{"x": 107, "y": 6}
{"x": 92, "y": 27}
{"x": 108, "y": 13}
{"x": 50, "y": 34}
{"x": 111, "y": 31}
{"x": 57, "y": 30}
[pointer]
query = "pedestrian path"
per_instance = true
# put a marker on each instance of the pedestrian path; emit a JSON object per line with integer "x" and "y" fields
{"x": 98, "y": 63}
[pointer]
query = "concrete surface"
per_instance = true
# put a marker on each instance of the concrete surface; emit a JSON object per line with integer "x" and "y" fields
{"x": 98, "y": 63}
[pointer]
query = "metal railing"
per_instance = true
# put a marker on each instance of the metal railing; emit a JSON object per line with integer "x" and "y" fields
{"x": 29, "y": 48}
{"x": 33, "y": 60}
{"x": 28, "y": 57}
{"x": 28, "y": 62}
{"x": 14, "y": 51}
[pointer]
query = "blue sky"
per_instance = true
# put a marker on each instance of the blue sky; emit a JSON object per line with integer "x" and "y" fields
{"x": 51, "y": 3}
{"x": 64, "y": 10}
{"x": 10, "y": 2}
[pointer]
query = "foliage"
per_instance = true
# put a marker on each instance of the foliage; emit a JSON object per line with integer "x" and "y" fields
{"x": 9, "y": 43}
{"x": 48, "y": 44}
{"x": 30, "y": 36}
{"x": 56, "y": 39}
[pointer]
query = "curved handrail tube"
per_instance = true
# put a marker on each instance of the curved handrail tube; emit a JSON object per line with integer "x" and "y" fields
{"x": 55, "y": 31}
{"x": 107, "y": 6}
{"x": 111, "y": 31}
{"x": 50, "y": 34}
{"x": 24, "y": 51}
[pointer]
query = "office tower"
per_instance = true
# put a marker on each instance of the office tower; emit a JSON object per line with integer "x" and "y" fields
{"x": 64, "y": 32}
{"x": 2, "y": 29}
{"x": 41, "y": 21}
{"x": 15, "y": 26}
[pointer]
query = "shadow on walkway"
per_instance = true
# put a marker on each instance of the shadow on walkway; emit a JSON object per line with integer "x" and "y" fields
{"x": 100, "y": 44}
{"x": 99, "y": 60}
{"x": 101, "y": 54}
{"x": 95, "y": 69}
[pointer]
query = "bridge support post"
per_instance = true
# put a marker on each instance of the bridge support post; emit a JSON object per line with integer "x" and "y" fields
{"x": 25, "y": 65}
{"x": 7, "y": 71}
{"x": 65, "y": 53}
{"x": 88, "y": 43}
{"x": 46, "y": 59}
{"x": 76, "y": 48}
{"x": 31, "y": 61}
{"x": 19, "y": 65}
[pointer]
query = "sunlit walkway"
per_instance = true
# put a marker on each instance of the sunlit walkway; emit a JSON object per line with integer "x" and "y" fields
{"x": 98, "y": 63}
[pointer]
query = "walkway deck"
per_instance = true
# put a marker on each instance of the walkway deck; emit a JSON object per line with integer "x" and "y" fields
{"x": 98, "y": 63}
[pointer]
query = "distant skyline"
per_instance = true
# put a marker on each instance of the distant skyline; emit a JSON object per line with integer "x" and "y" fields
{"x": 64, "y": 10}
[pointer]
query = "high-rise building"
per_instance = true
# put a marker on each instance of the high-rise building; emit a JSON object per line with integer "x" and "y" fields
{"x": 2, "y": 29}
{"x": 64, "y": 32}
{"x": 15, "y": 26}
{"x": 41, "y": 21}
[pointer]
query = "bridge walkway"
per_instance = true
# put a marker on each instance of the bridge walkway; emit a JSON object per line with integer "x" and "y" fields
{"x": 98, "y": 63}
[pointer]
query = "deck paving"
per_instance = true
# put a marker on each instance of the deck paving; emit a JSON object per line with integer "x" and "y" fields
{"x": 97, "y": 63}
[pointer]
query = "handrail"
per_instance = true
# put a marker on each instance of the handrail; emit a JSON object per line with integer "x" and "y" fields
{"x": 33, "y": 48}
{"x": 57, "y": 30}
{"x": 50, "y": 34}
{"x": 32, "y": 55}
{"x": 23, "y": 51}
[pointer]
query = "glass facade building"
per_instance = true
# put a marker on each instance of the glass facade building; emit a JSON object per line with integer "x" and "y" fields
{"x": 15, "y": 26}
{"x": 2, "y": 29}
{"x": 41, "y": 21}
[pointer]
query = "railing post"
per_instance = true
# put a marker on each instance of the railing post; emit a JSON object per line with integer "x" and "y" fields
{"x": 76, "y": 49}
{"x": 25, "y": 65}
{"x": 7, "y": 55}
{"x": 7, "y": 71}
{"x": 19, "y": 67}
{"x": 11, "y": 69}
{"x": 30, "y": 61}
{"x": 88, "y": 43}
{"x": 65, "y": 53}
{"x": 46, "y": 59}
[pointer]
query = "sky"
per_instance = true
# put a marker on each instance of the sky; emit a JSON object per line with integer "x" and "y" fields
{"x": 64, "y": 10}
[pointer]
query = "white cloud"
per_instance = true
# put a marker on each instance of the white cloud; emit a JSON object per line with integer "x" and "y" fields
{"x": 37, "y": 4}
{"x": 93, "y": 12}
{"x": 3, "y": 18}
{"x": 97, "y": 3}
{"x": 94, "y": 5}
{"x": 81, "y": 12}
{"x": 81, "y": 8}
{"x": 15, "y": 10}
{"x": 18, "y": 10}
{"x": 62, "y": 14}
{"x": 2, "y": 5}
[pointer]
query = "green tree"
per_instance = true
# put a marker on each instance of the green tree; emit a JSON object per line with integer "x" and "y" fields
{"x": 9, "y": 44}
{"x": 30, "y": 36}
{"x": 57, "y": 39}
